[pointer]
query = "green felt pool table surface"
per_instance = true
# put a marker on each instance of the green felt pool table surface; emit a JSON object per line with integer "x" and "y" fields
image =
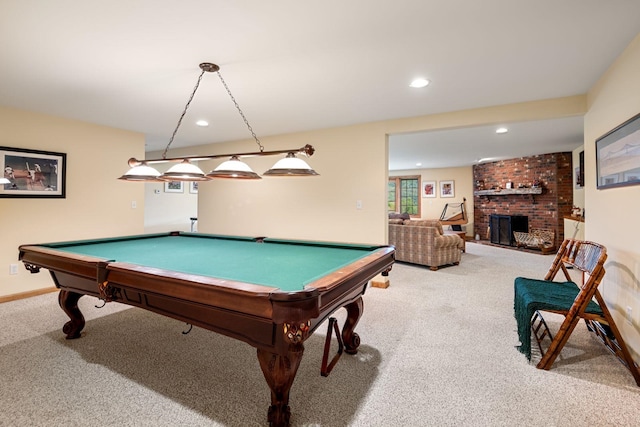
{"x": 284, "y": 264}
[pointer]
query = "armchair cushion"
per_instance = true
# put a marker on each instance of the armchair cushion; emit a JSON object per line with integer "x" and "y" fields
{"x": 448, "y": 241}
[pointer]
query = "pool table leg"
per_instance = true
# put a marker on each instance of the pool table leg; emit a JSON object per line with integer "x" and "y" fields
{"x": 351, "y": 339}
{"x": 280, "y": 371}
{"x": 69, "y": 303}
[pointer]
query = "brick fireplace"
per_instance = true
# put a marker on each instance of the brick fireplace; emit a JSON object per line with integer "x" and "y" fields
{"x": 508, "y": 189}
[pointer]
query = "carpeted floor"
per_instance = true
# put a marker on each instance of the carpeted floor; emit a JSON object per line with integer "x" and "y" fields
{"x": 438, "y": 349}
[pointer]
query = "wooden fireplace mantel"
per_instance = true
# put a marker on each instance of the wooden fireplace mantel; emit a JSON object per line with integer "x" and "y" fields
{"x": 509, "y": 191}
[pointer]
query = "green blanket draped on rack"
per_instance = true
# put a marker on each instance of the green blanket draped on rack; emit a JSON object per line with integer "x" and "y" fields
{"x": 531, "y": 295}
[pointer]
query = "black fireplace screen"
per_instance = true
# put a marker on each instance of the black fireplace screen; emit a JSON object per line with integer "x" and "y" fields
{"x": 503, "y": 226}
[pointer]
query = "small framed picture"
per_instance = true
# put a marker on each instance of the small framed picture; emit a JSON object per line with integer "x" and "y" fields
{"x": 173, "y": 187}
{"x": 32, "y": 173}
{"x": 446, "y": 189}
{"x": 578, "y": 182}
{"x": 193, "y": 187}
{"x": 428, "y": 189}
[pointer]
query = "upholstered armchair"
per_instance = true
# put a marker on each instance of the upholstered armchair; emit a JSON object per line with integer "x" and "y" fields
{"x": 423, "y": 242}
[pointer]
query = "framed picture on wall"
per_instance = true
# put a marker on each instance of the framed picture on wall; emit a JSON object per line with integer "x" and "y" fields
{"x": 577, "y": 173}
{"x": 32, "y": 173}
{"x": 618, "y": 155}
{"x": 193, "y": 187}
{"x": 428, "y": 189}
{"x": 447, "y": 189}
{"x": 580, "y": 172}
{"x": 173, "y": 187}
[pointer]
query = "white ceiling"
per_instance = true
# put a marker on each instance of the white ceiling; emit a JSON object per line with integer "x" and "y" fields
{"x": 467, "y": 146}
{"x": 296, "y": 65}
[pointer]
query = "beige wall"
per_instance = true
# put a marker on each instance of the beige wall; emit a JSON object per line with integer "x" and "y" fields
{"x": 431, "y": 208}
{"x": 167, "y": 211}
{"x": 611, "y": 214}
{"x": 352, "y": 163}
{"x": 96, "y": 203}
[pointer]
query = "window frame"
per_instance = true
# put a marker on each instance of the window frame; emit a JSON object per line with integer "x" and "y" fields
{"x": 398, "y": 180}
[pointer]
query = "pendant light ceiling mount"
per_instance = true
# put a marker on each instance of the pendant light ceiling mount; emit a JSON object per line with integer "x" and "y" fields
{"x": 209, "y": 67}
{"x": 233, "y": 168}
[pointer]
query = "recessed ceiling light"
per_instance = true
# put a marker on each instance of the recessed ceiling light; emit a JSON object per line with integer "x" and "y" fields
{"x": 502, "y": 130}
{"x": 202, "y": 123}
{"x": 418, "y": 83}
{"x": 418, "y": 164}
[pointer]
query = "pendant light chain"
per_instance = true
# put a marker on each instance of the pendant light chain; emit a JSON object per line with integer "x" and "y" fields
{"x": 246, "y": 122}
{"x": 164, "y": 154}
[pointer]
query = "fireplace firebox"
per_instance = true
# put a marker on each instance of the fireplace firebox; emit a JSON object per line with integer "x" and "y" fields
{"x": 503, "y": 226}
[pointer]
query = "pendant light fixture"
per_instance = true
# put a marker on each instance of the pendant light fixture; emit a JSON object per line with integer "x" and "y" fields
{"x": 233, "y": 168}
{"x": 183, "y": 171}
{"x": 291, "y": 166}
{"x": 141, "y": 173}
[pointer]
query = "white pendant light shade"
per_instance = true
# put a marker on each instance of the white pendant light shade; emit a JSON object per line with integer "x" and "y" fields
{"x": 184, "y": 171}
{"x": 141, "y": 173}
{"x": 233, "y": 168}
{"x": 291, "y": 166}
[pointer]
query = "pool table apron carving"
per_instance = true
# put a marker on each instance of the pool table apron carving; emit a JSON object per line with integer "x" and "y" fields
{"x": 275, "y": 322}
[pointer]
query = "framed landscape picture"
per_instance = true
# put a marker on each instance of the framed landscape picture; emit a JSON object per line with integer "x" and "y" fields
{"x": 32, "y": 173}
{"x": 618, "y": 155}
{"x": 173, "y": 187}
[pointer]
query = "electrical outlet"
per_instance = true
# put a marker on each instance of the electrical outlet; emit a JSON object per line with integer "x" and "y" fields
{"x": 629, "y": 317}
{"x": 13, "y": 268}
{"x": 134, "y": 204}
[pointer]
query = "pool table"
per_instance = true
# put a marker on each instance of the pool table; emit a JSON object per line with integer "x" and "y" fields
{"x": 269, "y": 293}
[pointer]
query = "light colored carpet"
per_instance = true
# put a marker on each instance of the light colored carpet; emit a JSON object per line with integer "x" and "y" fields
{"x": 438, "y": 349}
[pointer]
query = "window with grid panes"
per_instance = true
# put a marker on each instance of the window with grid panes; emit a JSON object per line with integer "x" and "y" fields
{"x": 392, "y": 196}
{"x": 404, "y": 195}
